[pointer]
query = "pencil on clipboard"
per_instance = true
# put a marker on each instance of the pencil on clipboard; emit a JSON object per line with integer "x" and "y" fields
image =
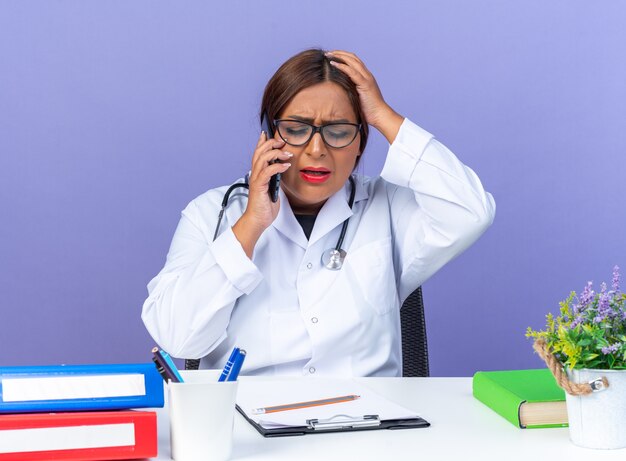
{"x": 307, "y": 404}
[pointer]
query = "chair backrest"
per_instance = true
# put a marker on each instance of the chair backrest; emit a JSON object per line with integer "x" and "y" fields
{"x": 414, "y": 341}
{"x": 192, "y": 364}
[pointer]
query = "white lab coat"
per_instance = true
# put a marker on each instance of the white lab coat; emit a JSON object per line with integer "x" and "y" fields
{"x": 292, "y": 315}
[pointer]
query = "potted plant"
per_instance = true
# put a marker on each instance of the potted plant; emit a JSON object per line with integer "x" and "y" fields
{"x": 585, "y": 347}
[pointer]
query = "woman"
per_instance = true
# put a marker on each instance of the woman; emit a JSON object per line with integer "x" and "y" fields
{"x": 263, "y": 284}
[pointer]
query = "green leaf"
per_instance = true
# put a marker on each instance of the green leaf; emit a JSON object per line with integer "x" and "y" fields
{"x": 595, "y": 364}
{"x": 589, "y": 356}
{"x": 601, "y": 342}
{"x": 611, "y": 360}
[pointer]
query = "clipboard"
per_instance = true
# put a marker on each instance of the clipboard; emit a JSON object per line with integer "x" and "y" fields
{"x": 337, "y": 423}
{"x": 370, "y": 411}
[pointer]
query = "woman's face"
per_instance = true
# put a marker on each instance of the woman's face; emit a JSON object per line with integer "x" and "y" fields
{"x": 319, "y": 104}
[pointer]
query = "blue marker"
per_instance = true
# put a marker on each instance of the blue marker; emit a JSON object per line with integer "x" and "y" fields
{"x": 234, "y": 372}
{"x": 170, "y": 362}
{"x": 229, "y": 365}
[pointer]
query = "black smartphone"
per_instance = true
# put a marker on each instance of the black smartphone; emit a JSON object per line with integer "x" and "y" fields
{"x": 274, "y": 185}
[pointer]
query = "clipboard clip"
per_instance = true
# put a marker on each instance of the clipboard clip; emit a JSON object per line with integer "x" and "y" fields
{"x": 343, "y": 422}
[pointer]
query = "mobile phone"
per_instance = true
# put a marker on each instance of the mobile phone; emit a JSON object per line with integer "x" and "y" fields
{"x": 274, "y": 184}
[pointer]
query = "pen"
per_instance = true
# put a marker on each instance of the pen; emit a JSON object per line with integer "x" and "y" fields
{"x": 229, "y": 365}
{"x": 310, "y": 403}
{"x": 170, "y": 362}
{"x": 162, "y": 367}
{"x": 234, "y": 372}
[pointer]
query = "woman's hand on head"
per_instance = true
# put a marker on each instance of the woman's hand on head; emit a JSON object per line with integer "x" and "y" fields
{"x": 376, "y": 111}
{"x": 261, "y": 211}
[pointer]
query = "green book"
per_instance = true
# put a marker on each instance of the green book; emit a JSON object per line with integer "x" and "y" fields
{"x": 526, "y": 398}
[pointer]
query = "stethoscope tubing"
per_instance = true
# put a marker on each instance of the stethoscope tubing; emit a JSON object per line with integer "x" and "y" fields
{"x": 344, "y": 226}
{"x": 225, "y": 203}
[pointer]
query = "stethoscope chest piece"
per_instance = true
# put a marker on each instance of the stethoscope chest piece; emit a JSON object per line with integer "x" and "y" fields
{"x": 332, "y": 259}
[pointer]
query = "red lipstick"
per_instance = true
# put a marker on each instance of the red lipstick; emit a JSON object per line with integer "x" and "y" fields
{"x": 315, "y": 175}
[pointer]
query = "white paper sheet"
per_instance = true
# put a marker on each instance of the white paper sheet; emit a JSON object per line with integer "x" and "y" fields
{"x": 262, "y": 393}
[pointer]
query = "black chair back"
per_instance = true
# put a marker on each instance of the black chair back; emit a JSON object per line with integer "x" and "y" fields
{"x": 414, "y": 341}
{"x": 192, "y": 364}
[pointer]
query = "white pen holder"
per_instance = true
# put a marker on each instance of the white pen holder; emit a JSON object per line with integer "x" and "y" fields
{"x": 202, "y": 412}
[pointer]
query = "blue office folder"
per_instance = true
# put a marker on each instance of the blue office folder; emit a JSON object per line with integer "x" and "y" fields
{"x": 79, "y": 388}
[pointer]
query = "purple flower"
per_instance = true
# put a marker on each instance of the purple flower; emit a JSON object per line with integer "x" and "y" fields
{"x": 604, "y": 308}
{"x": 577, "y": 321}
{"x": 610, "y": 349}
{"x": 616, "y": 279}
{"x": 586, "y": 296}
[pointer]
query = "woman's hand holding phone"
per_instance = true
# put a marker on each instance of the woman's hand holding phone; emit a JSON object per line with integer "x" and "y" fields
{"x": 268, "y": 159}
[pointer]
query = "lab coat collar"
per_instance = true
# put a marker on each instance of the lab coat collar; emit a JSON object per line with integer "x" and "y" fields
{"x": 333, "y": 213}
{"x": 287, "y": 224}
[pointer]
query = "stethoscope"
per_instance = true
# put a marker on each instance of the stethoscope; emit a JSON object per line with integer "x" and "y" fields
{"x": 333, "y": 258}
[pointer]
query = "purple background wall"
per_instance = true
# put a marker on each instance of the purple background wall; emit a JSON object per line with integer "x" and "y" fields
{"x": 113, "y": 115}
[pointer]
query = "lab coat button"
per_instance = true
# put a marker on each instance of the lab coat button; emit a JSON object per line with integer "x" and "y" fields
{"x": 312, "y": 370}
{"x": 314, "y": 320}
{"x": 309, "y": 266}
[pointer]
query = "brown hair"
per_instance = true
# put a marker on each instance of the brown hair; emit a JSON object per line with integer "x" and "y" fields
{"x": 304, "y": 70}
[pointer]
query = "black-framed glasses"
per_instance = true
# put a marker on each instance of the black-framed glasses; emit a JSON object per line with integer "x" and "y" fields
{"x": 335, "y": 134}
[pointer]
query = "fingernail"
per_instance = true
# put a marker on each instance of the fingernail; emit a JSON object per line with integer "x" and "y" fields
{"x": 333, "y": 63}
{"x": 289, "y": 154}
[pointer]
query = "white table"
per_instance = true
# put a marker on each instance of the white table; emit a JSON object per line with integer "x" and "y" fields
{"x": 462, "y": 428}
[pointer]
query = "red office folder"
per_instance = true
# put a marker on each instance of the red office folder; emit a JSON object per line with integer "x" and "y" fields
{"x": 87, "y": 436}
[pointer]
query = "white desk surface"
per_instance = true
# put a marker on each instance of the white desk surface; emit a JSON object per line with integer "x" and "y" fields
{"x": 461, "y": 428}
